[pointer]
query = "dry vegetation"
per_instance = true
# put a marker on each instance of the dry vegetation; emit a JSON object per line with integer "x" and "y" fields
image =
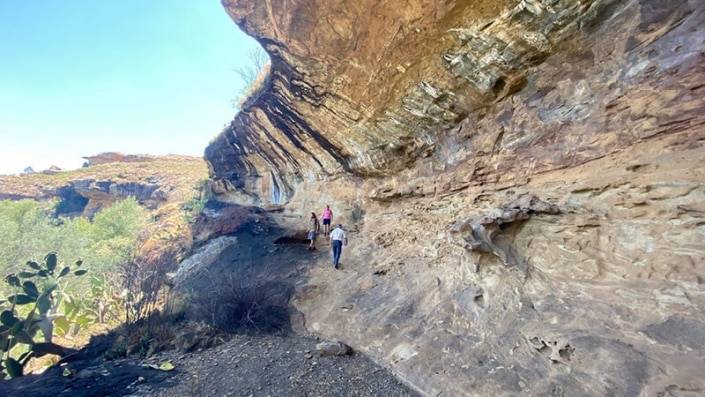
{"x": 181, "y": 173}
{"x": 254, "y": 75}
{"x": 254, "y": 88}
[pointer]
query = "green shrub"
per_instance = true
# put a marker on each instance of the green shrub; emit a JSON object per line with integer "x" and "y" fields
{"x": 28, "y": 229}
{"x": 193, "y": 208}
{"x": 38, "y": 287}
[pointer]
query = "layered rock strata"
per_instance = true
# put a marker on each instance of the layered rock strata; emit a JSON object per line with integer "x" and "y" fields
{"x": 411, "y": 119}
{"x": 515, "y": 88}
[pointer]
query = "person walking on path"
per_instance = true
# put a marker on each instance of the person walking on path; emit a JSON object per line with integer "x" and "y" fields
{"x": 313, "y": 230}
{"x": 327, "y": 219}
{"x": 337, "y": 240}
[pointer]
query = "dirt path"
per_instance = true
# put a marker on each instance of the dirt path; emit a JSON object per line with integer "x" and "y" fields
{"x": 272, "y": 366}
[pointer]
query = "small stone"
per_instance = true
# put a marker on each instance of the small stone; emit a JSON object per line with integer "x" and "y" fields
{"x": 332, "y": 349}
{"x": 85, "y": 373}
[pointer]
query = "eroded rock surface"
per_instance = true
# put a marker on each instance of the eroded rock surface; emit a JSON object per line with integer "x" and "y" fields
{"x": 411, "y": 119}
{"x": 485, "y": 233}
{"x": 508, "y": 88}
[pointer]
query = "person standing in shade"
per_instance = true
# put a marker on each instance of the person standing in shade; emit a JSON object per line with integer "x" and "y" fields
{"x": 327, "y": 219}
{"x": 337, "y": 240}
{"x": 313, "y": 230}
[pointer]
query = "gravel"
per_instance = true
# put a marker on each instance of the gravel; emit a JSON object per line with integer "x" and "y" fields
{"x": 272, "y": 366}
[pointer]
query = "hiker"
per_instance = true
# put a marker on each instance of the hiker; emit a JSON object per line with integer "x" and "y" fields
{"x": 313, "y": 230}
{"x": 337, "y": 240}
{"x": 327, "y": 219}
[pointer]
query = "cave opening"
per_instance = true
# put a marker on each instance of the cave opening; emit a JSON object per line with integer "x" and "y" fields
{"x": 71, "y": 203}
{"x": 298, "y": 238}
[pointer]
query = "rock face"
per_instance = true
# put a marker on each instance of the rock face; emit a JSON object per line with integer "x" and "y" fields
{"x": 509, "y": 87}
{"x": 522, "y": 182}
{"x": 485, "y": 233}
{"x": 87, "y": 197}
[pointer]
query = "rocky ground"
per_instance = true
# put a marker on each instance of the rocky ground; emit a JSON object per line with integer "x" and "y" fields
{"x": 273, "y": 366}
{"x": 246, "y": 365}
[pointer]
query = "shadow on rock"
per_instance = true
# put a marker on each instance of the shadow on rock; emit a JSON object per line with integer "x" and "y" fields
{"x": 242, "y": 282}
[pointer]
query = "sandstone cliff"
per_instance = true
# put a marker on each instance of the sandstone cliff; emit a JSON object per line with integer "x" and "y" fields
{"x": 523, "y": 182}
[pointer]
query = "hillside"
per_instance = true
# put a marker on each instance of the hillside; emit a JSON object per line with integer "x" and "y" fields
{"x": 154, "y": 180}
{"x": 167, "y": 186}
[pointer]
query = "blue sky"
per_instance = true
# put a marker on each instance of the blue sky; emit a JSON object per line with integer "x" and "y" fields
{"x": 79, "y": 77}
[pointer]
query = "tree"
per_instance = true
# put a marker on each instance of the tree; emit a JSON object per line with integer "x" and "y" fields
{"x": 252, "y": 73}
{"x": 257, "y": 59}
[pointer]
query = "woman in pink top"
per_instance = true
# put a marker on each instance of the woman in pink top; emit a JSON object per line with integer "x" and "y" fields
{"x": 327, "y": 218}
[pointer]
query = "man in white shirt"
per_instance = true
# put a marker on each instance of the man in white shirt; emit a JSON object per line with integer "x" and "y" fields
{"x": 337, "y": 240}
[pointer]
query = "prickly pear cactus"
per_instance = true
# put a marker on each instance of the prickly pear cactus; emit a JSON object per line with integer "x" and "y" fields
{"x": 35, "y": 291}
